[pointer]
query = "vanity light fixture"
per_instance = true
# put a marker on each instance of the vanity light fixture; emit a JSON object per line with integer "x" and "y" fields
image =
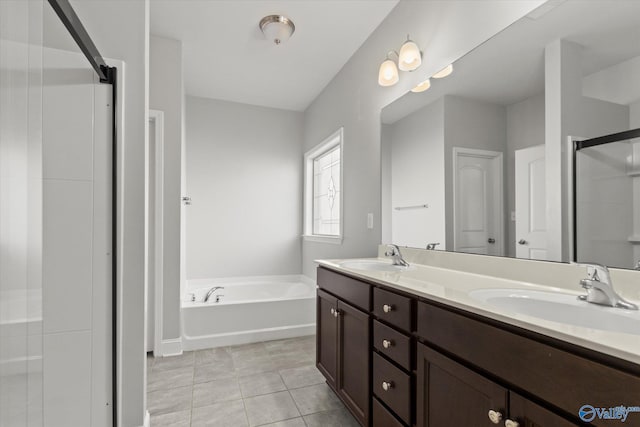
{"x": 446, "y": 71}
{"x": 422, "y": 86}
{"x": 277, "y": 28}
{"x": 410, "y": 57}
{"x": 388, "y": 73}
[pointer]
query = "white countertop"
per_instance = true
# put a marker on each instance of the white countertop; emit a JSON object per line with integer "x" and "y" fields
{"x": 452, "y": 287}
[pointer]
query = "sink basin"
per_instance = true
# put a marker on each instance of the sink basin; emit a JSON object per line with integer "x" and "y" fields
{"x": 371, "y": 265}
{"x": 563, "y": 308}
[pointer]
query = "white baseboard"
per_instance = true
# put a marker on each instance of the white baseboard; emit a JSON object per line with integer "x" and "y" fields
{"x": 246, "y": 337}
{"x": 147, "y": 419}
{"x": 172, "y": 347}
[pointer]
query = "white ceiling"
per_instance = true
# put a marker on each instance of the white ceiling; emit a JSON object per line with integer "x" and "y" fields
{"x": 509, "y": 67}
{"x": 226, "y": 56}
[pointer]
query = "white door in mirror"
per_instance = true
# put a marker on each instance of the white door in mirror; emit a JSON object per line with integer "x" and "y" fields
{"x": 531, "y": 207}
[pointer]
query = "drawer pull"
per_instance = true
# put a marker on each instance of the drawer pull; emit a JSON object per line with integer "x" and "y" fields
{"x": 387, "y": 385}
{"x": 387, "y": 308}
{"x": 387, "y": 343}
{"x": 511, "y": 423}
{"x": 495, "y": 416}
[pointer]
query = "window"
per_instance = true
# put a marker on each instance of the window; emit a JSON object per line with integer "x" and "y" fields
{"x": 323, "y": 191}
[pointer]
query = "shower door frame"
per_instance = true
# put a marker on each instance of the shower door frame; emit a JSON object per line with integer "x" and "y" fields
{"x": 577, "y": 146}
{"x": 107, "y": 75}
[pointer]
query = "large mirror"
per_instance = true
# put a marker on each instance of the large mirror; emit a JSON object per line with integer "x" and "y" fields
{"x": 480, "y": 162}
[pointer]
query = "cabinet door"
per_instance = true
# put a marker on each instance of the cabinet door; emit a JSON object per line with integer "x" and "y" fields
{"x": 448, "y": 394}
{"x": 354, "y": 360}
{"x": 327, "y": 336}
{"x": 528, "y": 414}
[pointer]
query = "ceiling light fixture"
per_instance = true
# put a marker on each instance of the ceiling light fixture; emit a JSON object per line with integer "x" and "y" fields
{"x": 388, "y": 73}
{"x": 444, "y": 72}
{"x": 422, "y": 86}
{"x": 277, "y": 28}
{"x": 410, "y": 57}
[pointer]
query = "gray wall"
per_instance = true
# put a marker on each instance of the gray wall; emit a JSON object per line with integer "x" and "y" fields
{"x": 353, "y": 99}
{"x": 470, "y": 124}
{"x": 166, "y": 95}
{"x": 121, "y": 31}
{"x": 244, "y": 175}
{"x": 417, "y": 177}
{"x": 525, "y": 128}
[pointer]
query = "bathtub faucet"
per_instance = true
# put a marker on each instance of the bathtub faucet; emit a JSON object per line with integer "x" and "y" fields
{"x": 211, "y": 291}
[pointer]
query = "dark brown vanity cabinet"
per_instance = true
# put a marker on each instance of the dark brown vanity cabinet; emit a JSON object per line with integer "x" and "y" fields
{"x": 428, "y": 364}
{"x": 449, "y": 394}
{"x": 343, "y": 354}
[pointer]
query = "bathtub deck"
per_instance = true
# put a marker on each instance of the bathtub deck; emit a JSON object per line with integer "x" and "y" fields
{"x": 246, "y": 385}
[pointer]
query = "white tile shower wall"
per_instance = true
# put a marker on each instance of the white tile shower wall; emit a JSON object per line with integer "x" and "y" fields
{"x": 353, "y": 100}
{"x": 20, "y": 213}
{"x": 244, "y": 175}
{"x": 76, "y": 243}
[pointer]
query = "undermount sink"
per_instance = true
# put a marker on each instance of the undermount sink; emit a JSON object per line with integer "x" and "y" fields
{"x": 562, "y": 308}
{"x": 371, "y": 265}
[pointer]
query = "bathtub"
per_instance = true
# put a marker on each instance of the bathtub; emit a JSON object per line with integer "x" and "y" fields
{"x": 251, "y": 309}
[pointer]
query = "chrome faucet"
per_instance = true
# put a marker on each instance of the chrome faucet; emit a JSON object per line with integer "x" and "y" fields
{"x": 396, "y": 256}
{"x": 210, "y": 292}
{"x": 600, "y": 288}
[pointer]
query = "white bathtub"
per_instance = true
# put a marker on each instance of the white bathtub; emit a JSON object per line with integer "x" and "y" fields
{"x": 251, "y": 309}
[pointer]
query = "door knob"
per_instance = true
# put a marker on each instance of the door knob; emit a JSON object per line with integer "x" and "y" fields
{"x": 522, "y": 242}
{"x": 491, "y": 240}
{"x": 495, "y": 416}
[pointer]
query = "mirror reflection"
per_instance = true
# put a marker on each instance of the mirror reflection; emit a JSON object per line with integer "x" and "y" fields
{"x": 479, "y": 162}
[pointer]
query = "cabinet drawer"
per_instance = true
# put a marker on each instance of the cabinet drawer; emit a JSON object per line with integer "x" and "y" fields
{"x": 398, "y": 394}
{"x": 393, "y": 344}
{"x": 350, "y": 290}
{"x": 382, "y": 417}
{"x": 392, "y": 308}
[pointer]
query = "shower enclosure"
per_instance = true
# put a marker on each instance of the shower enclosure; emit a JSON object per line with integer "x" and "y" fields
{"x": 57, "y": 225}
{"x": 606, "y": 188}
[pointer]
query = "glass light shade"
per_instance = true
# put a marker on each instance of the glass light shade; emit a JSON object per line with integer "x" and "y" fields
{"x": 410, "y": 57}
{"x": 388, "y": 74}
{"x": 422, "y": 86}
{"x": 444, "y": 72}
{"x": 277, "y": 28}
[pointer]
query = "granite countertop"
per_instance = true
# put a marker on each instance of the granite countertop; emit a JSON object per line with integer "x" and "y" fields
{"x": 453, "y": 288}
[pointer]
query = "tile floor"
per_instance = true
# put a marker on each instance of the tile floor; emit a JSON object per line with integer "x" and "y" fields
{"x": 272, "y": 383}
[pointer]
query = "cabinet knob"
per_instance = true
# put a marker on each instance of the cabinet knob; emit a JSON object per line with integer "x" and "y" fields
{"x": 387, "y": 308}
{"x": 495, "y": 416}
{"x": 387, "y": 385}
{"x": 387, "y": 343}
{"x": 335, "y": 312}
{"x": 511, "y": 423}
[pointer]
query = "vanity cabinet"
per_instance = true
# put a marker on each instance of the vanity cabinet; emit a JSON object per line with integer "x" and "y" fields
{"x": 343, "y": 340}
{"x": 400, "y": 360}
{"x": 451, "y": 394}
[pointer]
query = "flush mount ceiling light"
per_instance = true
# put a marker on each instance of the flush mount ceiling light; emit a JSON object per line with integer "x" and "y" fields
{"x": 422, "y": 86}
{"x": 444, "y": 72}
{"x": 410, "y": 57}
{"x": 388, "y": 73}
{"x": 277, "y": 28}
